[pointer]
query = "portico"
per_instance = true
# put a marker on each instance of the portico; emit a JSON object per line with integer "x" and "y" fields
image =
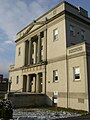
{"x": 33, "y": 83}
{"x": 34, "y": 49}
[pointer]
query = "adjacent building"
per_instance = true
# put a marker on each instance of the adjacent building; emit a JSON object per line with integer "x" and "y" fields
{"x": 53, "y": 57}
{"x": 3, "y": 86}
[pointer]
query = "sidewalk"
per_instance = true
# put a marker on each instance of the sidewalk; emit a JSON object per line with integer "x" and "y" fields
{"x": 87, "y": 117}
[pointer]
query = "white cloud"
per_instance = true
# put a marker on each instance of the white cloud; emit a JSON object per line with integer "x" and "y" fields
{"x": 14, "y": 15}
{"x": 9, "y": 42}
{"x": 17, "y": 14}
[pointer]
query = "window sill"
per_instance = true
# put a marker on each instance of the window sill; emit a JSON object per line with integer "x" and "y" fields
{"x": 77, "y": 80}
{"x": 55, "y": 81}
{"x": 55, "y": 40}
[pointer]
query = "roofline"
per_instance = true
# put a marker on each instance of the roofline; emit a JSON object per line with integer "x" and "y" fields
{"x": 61, "y": 13}
{"x": 47, "y": 13}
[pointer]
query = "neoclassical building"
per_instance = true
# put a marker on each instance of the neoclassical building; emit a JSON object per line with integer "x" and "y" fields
{"x": 53, "y": 57}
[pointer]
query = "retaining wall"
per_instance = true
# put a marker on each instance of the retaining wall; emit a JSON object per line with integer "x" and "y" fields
{"x": 27, "y": 100}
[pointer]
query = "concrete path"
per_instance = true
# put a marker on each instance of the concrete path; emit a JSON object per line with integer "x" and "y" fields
{"x": 87, "y": 117}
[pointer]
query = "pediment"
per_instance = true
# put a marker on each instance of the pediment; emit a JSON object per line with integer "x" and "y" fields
{"x": 34, "y": 25}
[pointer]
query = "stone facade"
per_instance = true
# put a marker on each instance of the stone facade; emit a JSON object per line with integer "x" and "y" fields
{"x": 52, "y": 57}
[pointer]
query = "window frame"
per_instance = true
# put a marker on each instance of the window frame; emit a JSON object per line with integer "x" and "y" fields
{"x": 76, "y": 74}
{"x": 17, "y": 79}
{"x": 55, "y": 76}
{"x": 83, "y": 35}
{"x": 55, "y": 36}
{"x": 72, "y": 30}
{"x": 19, "y": 51}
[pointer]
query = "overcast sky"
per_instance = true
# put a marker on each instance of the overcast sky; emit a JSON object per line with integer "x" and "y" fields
{"x": 16, "y": 14}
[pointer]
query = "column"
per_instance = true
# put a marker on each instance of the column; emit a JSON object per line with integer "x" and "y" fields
{"x": 39, "y": 48}
{"x": 34, "y": 84}
{"x": 29, "y": 53}
{"x": 35, "y": 53}
{"x": 27, "y": 88}
{"x": 37, "y": 83}
{"x": 43, "y": 82}
{"x": 26, "y": 52}
{"x": 45, "y": 45}
{"x": 22, "y": 83}
{"x": 30, "y": 83}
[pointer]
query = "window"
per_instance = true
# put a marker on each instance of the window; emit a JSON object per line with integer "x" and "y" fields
{"x": 17, "y": 80}
{"x": 55, "y": 75}
{"x": 19, "y": 51}
{"x": 76, "y": 74}
{"x": 72, "y": 30}
{"x": 82, "y": 35}
{"x": 55, "y": 34}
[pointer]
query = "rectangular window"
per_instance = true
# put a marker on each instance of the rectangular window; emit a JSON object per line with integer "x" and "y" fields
{"x": 76, "y": 73}
{"x": 19, "y": 51}
{"x": 55, "y": 34}
{"x": 72, "y": 30}
{"x": 55, "y": 75}
{"x": 82, "y": 35}
{"x": 17, "y": 80}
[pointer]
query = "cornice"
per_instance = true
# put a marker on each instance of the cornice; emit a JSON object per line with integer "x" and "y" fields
{"x": 56, "y": 16}
{"x": 28, "y": 66}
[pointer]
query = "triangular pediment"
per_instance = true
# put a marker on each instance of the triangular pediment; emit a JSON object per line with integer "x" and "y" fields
{"x": 34, "y": 26}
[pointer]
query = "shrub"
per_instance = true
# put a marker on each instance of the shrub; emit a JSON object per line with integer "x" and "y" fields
{"x": 6, "y": 110}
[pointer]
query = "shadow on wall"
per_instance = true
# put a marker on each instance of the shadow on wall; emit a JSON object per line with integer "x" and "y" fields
{"x": 21, "y": 100}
